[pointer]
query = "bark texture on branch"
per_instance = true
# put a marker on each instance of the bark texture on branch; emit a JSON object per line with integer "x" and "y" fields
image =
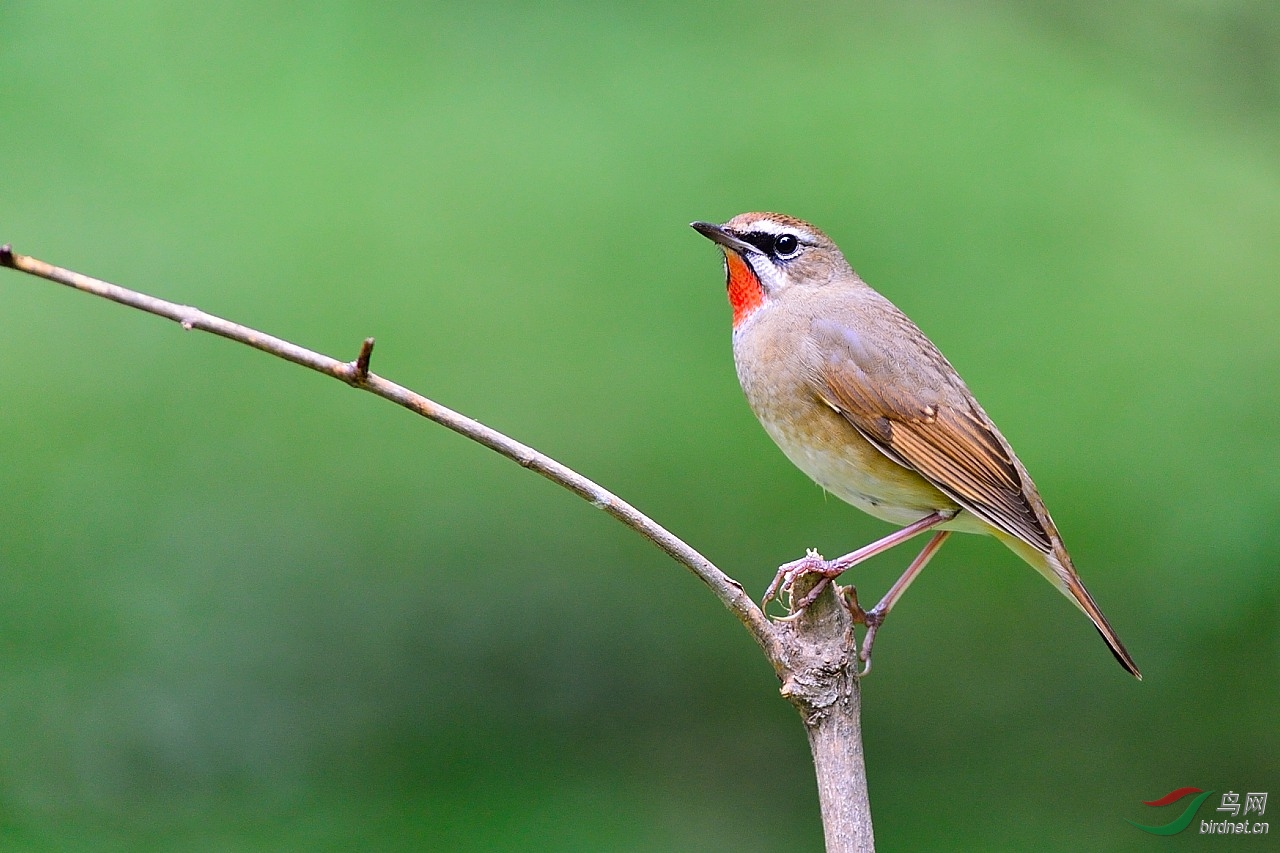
{"x": 822, "y": 665}
{"x": 813, "y": 655}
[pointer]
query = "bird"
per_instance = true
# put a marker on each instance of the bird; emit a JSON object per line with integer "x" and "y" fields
{"x": 860, "y": 400}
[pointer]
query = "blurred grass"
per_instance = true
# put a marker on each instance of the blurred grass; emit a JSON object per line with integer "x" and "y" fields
{"x": 246, "y": 609}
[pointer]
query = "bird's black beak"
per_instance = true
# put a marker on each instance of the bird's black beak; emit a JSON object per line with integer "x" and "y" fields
{"x": 721, "y": 235}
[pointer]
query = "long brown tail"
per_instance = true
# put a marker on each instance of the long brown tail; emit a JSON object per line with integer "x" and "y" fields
{"x": 1058, "y": 569}
{"x": 1091, "y": 609}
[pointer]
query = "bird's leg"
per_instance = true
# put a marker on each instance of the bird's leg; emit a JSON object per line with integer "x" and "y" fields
{"x": 812, "y": 562}
{"x": 874, "y": 617}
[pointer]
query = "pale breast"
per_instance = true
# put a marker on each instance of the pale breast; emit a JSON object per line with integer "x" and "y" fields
{"x": 820, "y": 442}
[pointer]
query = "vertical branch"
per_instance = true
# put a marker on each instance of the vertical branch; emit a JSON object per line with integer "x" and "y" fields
{"x": 822, "y": 661}
{"x": 835, "y": 739}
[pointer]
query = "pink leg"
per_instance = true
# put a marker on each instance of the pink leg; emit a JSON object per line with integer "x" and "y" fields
{"x": 875, "y": 617}
{"x": 829, "y": 569}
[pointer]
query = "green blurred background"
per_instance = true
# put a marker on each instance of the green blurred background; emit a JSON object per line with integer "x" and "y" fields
{"x": 244, "y": 608}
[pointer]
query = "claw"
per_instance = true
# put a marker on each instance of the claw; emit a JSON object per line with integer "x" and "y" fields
{"x": 850, "y": 596}
{"x": 790, "y": 617}
{"x": 788, "y": 572}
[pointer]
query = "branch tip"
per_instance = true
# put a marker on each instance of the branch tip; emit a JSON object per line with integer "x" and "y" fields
{"x": 6, "y": 256}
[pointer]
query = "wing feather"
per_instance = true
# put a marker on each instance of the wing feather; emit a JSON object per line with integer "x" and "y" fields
{"x": 938, "y": 430}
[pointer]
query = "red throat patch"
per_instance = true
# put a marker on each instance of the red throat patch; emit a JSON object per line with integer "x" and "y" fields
{"x": 745, "y": 292}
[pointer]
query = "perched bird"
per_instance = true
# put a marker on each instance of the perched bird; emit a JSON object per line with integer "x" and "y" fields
{"x": 860, "y": 400}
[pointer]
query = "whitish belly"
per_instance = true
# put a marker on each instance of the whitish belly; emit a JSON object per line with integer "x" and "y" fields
{"x": 842, "y": 462}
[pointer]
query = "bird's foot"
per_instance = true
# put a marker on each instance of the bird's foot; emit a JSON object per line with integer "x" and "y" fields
{"x": 872, "y": 618}
{"x": 850, "y": 596}
{"x": 813, "y": 563}
{"x": 784, "y": 581}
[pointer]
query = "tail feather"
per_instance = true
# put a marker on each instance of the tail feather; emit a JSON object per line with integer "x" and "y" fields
{"x": 1056, "y": 567}
{"x": 1082, "y": 597}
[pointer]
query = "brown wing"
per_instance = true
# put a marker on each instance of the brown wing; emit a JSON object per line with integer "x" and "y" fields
{"x": 904, "y": 397}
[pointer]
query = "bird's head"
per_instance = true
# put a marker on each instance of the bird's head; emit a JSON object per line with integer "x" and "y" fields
{"x": 767, "y": 253}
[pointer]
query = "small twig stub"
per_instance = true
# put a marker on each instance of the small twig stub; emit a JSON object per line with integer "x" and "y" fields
{"x": 362, "y": 360}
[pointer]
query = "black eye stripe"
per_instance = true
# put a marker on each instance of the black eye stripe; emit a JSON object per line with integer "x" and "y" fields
{"x": 783, "y": 245}
{"x": 762, "y": 240}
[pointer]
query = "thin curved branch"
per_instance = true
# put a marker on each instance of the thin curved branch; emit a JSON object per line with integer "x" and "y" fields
{"x": 356, "y": 374}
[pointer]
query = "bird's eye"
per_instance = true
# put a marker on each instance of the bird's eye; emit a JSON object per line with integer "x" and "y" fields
{"x": 786, "y": 246}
